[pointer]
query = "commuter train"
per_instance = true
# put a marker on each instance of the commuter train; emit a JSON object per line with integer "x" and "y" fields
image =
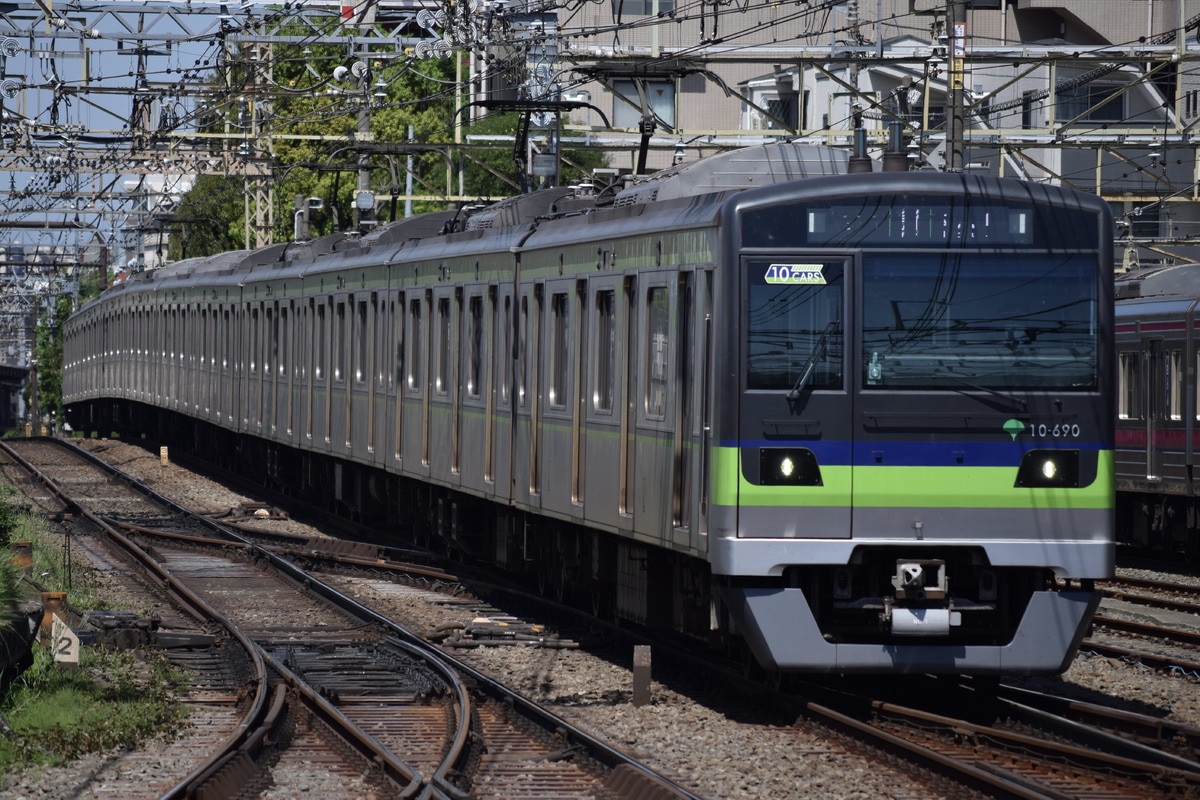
{"x": 1157, "y": 408}
{"x": 851, "y": 422}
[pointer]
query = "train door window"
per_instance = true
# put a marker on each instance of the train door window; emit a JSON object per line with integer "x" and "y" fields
{"x": 360, "y": 342}
{"x": 1129, "y": 379}
{"x": 605, "y": 356}
{"x": 441, "y": 374}
{"x": 505, "y": 338}
{"x": 1175, "y": 385}
{"x": 657, "y": 342}
{"x": 283, "y": 343}
{"x": 556, "y": 376}
{"x": 319, "y": 343}
{"x": 415, "y": 347}
{"x": 340, "y": 341}
{"x": 474, "y": 346}
{"x": 522, "y": 345}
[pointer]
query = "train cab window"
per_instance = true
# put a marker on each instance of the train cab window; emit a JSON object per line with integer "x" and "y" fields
{"x": 657, "y": 348}
{"x": 793, "y": 319}
{"x": 1129, "y": 384}
{"x": 982, "y": 319}
{"x": 441, "y": 375}
{"x": 474, "y": 345}
{"x": 605, "y": 358}
{"x": 556, "y": 378}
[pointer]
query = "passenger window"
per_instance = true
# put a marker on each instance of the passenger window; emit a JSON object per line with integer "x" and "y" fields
{"x": 414, "y": 346}
{"x": 1175, "y": 384}
{"x": 657, "y": 341}
{"x": 1128, "y": 404}
{"x": 474, "y": 345}
{"x": 605, "y": 358}
{"x": 442, "y": 367}
{"x": 559, "y": 345}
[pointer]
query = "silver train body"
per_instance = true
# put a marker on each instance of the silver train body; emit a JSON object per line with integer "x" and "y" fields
{"x": 753, "y": 398}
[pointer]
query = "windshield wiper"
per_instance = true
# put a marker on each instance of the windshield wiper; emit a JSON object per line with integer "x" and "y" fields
{"x": 810, "y": 367}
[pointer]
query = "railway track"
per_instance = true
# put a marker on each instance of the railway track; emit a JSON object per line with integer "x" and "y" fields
{"x": 322, "y": 662}
{"x": 945, "y": 748}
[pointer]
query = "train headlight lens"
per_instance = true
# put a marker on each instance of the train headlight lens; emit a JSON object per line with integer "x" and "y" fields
{"x": 1049, "y": 468}
{"x": 783, "y": 466}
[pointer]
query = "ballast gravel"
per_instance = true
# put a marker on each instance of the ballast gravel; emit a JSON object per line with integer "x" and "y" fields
{"x": 705, "y": 745}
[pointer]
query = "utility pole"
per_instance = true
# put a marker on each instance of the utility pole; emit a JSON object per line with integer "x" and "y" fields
{"x": 956, "y": 31}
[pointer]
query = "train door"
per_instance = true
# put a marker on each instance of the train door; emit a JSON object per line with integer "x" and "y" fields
{"x": 602, "y": 400}
{"x": 501, "y": 419}
{"x": 796, "y": 418}
{"x": 1156, "y": 383}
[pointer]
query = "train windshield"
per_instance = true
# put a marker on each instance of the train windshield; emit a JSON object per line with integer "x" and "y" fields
{"x": 794, "y": 323}
{"x": 955, "y": 319}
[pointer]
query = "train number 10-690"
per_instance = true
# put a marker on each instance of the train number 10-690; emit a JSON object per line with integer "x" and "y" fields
{"x": 1041, "y": 430}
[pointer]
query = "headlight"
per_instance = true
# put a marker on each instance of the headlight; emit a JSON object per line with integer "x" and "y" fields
{"x": 788, "y": 466}
{"x": 1041, "y": 468}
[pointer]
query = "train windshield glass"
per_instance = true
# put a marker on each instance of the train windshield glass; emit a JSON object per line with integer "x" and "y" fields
{"x": 794, "y": 324}
{"x": 987, "y": 320}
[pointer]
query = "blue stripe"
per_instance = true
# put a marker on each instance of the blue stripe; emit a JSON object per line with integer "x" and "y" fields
{"x": 921, "y": 454}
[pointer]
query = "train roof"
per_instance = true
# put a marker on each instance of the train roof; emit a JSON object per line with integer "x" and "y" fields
{"x": 1178, "y": 279}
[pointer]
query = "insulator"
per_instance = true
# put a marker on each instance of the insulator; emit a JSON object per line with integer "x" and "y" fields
{"x": 10, "y": 47}
{"x": 423, "y": 49}
{"x": 10, "y": 88}
{"x": 442, "y": 48}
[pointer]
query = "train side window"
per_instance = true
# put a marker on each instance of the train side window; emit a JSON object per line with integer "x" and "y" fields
{"x": 474, "y": 345}
{"x": 605, "y": 359}
{"x": 556, "y": 393}
{"x": 1129, "y": 400}
{"x": 1175, "y": 384}
{"x": 657, "y": 341}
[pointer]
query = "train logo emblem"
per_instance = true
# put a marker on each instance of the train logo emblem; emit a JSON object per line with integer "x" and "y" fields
{"x": 1013, "y": 427}
{"x": 803, "y": 274}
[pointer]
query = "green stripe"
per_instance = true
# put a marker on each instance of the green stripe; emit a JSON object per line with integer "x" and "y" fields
{"x": 909, "y": 487}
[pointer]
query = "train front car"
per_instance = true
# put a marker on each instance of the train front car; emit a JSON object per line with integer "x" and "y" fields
{"x": 916, "y": 474}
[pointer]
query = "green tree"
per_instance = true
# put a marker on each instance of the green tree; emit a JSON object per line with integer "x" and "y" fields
{"x": 492, "y": 171}
{"x": 210, "y": 218}
{"x": 48, "y": 349}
